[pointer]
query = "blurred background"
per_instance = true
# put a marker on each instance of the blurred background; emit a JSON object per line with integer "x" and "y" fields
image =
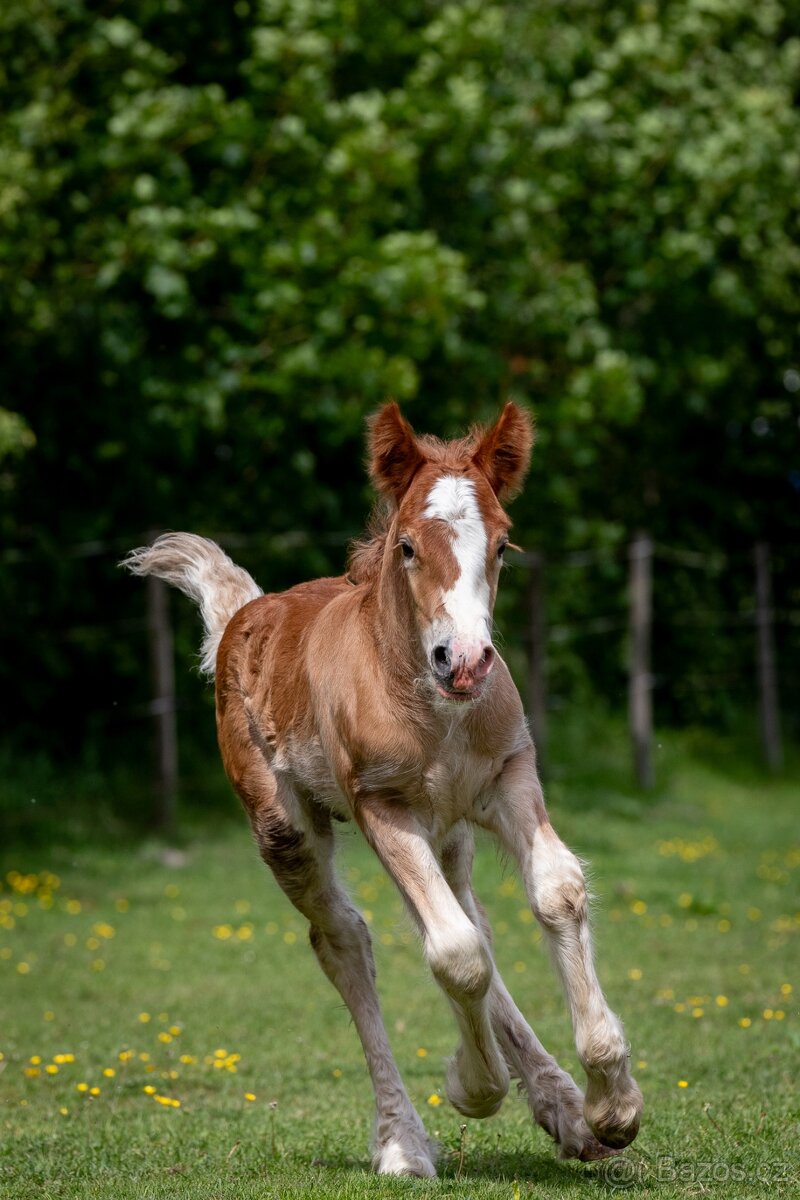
{"x": 228, "y": 232}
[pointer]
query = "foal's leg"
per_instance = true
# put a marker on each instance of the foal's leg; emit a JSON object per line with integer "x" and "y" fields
{"x": 300, "y": 854}
{"x": 557, "y": 892}
{"x": 477, "y": 1079}
{"x": 555, "y": 1100}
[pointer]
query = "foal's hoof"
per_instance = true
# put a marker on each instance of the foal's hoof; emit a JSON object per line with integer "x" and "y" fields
{"x": 594, "y": 1151}
{"x": 474, "y": 1091}
{"x": 395, "y": 1159}
{"x": 614, "y": 1119}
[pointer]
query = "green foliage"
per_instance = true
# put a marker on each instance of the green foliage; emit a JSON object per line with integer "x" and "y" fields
{"x": 227, "y": 232}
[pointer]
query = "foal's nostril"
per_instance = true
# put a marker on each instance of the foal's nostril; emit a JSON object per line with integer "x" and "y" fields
{"x": 441, "y": 660}
{"x": 485, "y": 663}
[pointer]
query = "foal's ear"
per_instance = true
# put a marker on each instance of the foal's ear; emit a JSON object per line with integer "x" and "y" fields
{"x": 394, "y": 452}
{"x": 504, "y": 451}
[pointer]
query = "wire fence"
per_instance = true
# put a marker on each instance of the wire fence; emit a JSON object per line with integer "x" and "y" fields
{"x": 630, "y": 621}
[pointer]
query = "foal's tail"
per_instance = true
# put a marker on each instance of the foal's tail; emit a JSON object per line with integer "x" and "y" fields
{"x": 205, "y": 573}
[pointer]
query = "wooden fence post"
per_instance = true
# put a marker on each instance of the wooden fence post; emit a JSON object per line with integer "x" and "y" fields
{"x": 162, "y": 706}
{"x": 640, "y": 684}
{"x": 537, "y": 659}
{"x": 768, "y": 706}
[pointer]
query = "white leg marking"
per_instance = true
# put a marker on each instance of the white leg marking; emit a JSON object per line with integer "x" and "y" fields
{"x": 557, "y": 892}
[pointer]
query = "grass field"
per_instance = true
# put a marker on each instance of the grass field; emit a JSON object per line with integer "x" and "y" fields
{"x": 166, "y": 1031}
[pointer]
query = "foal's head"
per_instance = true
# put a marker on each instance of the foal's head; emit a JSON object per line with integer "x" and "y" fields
{"x": 447, "y": 535}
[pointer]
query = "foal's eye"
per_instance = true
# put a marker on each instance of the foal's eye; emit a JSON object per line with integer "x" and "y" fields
{"x": 501, "y": 549}
{"x": 408, "y": 550}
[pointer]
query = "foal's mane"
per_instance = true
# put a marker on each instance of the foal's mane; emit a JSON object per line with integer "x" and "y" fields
{"x": 366, "y": 553}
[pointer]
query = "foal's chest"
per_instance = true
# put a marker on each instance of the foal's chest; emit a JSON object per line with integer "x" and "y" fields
{"x": 456, "y": 777}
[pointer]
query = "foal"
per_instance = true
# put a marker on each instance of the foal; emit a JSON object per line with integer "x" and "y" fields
{"x": 378, "y": 697}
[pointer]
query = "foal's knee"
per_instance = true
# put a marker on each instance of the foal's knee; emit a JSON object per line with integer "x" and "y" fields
{"x": 462, "y": 965}
{"x": 559, "y": 888}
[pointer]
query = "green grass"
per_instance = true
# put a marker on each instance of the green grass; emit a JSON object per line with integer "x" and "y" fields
{"x": 697, "y": 928}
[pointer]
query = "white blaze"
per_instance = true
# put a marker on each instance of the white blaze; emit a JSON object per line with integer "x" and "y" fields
{"x": 452, "y": 499}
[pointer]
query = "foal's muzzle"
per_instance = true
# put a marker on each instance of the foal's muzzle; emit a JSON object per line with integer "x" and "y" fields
{"x": 460, "y": 668}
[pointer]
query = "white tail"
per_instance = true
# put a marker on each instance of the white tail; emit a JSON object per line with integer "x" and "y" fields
{"x": 203, "y": 571}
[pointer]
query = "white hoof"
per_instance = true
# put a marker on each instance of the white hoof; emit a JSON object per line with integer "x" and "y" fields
{"x": 396, "y": 1159}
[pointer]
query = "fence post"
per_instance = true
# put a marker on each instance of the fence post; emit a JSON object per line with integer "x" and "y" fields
{"x": 162, "y": 706}
{"x": 640, "y": 681}
{"x": 537, "y": 660}
{"x": 768, "y": 706}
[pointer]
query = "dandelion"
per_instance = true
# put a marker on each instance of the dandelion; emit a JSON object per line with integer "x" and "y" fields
{"x": 32, "y": 1072}
{"x": 745, "y": 1022}
{"x": 48, "y": 1016}
{"x": 337, "y": 1072}
{"x": 786, "y": 989}
{"x": 697, "y": 1012}
{"x": 122, "y": 905}
{"x": 779, "y": 1014}
{"x": 175, "y": 1030}
{"x": 724, "y": 925}
{"x": 434, "y": 1100}
{"x": 683, "y": 1083}
{"x": 639, "y": 908}
{"x": 768, "y": 1014}
{"x": 685, "y": 899}
{"x": 64, "y": 1112}
{"x": 290, "y": 937}
{"x": 23, "y": 968}
{"x": 125, "y": 1055}
{"x": 188, "y": 1059}
{"x": 35, "y": 1059}
{"x": 81, "y": 1087}
{"x": 109, "y": 1072}
{"x": 94, "y": 1091}
{"x": 634, "y": 973}
{"x": 520, "y": 967}
{"x": 165, "y": 1037}
{"x": 422, "y": 1052}
{"x": 51, "y": 1069}
{"x": 721, "y": 1001}
{"x": 63, "y": 1058}
{"x": 642, "y": 1064}
{"x": 144, "y": 1017}
{"x": 149, "y": 1090}
{"x": 250, "y": 1096}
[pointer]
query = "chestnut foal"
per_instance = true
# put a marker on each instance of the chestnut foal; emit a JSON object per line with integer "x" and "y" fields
{"x": 378, "y": 697}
